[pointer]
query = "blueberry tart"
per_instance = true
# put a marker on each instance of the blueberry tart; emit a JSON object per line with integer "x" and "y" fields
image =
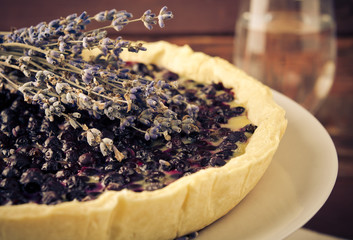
{"x": 55, "y": 185}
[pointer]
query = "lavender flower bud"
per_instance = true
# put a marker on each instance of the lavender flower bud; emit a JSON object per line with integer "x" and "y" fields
{"x": 104, "y": 50}
{"x": 76, "y": 115}
{"x": 26, "y": 86}
{"x": 54, "y": 23}
{"x": 86, "y": 41}
{"x": 69, "y": 98}
{"x": 93, "y": 136}
{"x": 169, "y": 113}
{"x": 145, "y": 121}
{"x": 148, "y": 26}
{"x": 119, "y": 23}
{"x": 108, "y": 142}
{"x": 135, "y": 90}
{"x": 71, "y": 27}
{"x": 83, "y": 16}
{"x": 147, "y": 136}
{"x": 71, "y": 17}
{"x": 52, "y": 99}
{"x": 98, "y": 89}
{"x": 192, "y": 110}
{"x": 110, "y": 14}
{"x": 59, "y": 87}
{"x": 73, "y": 123}
{"x": 163, "y": 15}
{"x": 176, "y": 129}
{"x": 154, "y": 132}
{"x": 87, "y": 76}
{"x": 62, "y": 46}
{"x": 160, "y": 21}
{"x": 59, "y": 30}
{"x": 84, "y": 102}
{"x": 166, "y": 136}
{"x": 148, "y": 19}
{"x": 100, "y": 17}
{"x": 103, "y": 148}
{"x": 151, "y": 102}
{"x": 76, "y": 49}
{"x": 106, "y": 146}
{"x": 51, "y": 60}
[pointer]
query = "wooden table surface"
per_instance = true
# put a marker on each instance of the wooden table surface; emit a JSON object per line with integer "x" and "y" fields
{"x": 336, "y": 115}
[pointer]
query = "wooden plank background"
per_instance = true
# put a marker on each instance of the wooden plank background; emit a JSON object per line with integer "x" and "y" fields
{"x": 191, "y": 16}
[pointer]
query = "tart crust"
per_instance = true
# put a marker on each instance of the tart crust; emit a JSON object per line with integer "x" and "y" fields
{"x": 184, "y": 206}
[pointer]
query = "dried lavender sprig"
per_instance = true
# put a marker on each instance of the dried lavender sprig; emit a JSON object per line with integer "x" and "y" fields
{"x": 102, "y": 86}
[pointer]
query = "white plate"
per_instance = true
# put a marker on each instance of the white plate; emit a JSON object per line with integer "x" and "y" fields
{"x": 295, "y": 186}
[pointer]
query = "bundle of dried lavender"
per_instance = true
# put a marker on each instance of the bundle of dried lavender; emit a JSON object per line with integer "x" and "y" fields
{"x": 45, "y": 63}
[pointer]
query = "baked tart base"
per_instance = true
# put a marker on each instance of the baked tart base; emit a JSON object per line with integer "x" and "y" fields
{"x": 186, "y": 205}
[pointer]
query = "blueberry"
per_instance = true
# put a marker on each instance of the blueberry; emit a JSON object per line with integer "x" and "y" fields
{"x": 89, "y": 171}
{"x": 113, "y": 177}
{"x": 224, "y": 97}
{"x": 2, "y": 164}
{"x": 10, "y": 172}
{"x": 35, "y": 152}
{"x": 136, "y": 177}
{"x": 19, "y": 161}
{"x": 50, "y": 197}
{"x": 7, "y": 116}
{"x": 3, "y": 199}
{"x": 17, "y": 105}
{"x": 209, "y": 90}
{"x": 5, "y": 141}
{"x": 63, "y": 174}
{"x": 86, "y": 159}
{"x": 152, "y": 186}
{"x": 77, "y": 182}
{"x": 250, "y": 128}
{"x": 170, "y": 76}
{"x": 52, "y": 142}
{"x": 182, "y": 166}
{"x": 31, "y": 180}
{"x": 190, "y": 94}
{"x": 33, "y": 124}
{"x": 22, "y": 141}
{"x": 112, "y": 166}
{"x": 135, "y": 187}
{"x": 94, "y": 189}
{"x": 236, "y": 136}
{"x": 37, "y": 137}
{"x": 151, "y": 165}
{"x": 51, "y": 166}
{"x": 115, "y": 186}
{"x": 235, "y": 111}
{"x": 165, "y": 165}
{"x": 75, "y": 194}
{"x": 228, "y": 144}
{"x": 71, "y": 155}
{"x": 217, "y": 161}
{"x": 10, "y": 184}
{"x": 51, "y": 183}
{"x": 142, "y": 68}
{"x": 18, "y": 131}
{"x": 53, "y": 154}
{"x": 155, "y": 176}
{"x": 68, "y": 135}
{"x": 83, "y": 147}
{"x": 127, "y": 170}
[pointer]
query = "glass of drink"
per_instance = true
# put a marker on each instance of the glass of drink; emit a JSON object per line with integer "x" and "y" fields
{"x": 289, "y": 45}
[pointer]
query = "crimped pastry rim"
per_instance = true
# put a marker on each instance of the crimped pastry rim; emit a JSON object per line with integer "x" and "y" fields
{"x": 186, "y": 205}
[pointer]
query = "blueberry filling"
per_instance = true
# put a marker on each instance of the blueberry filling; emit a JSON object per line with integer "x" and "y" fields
{"x": 50, "y": 162}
